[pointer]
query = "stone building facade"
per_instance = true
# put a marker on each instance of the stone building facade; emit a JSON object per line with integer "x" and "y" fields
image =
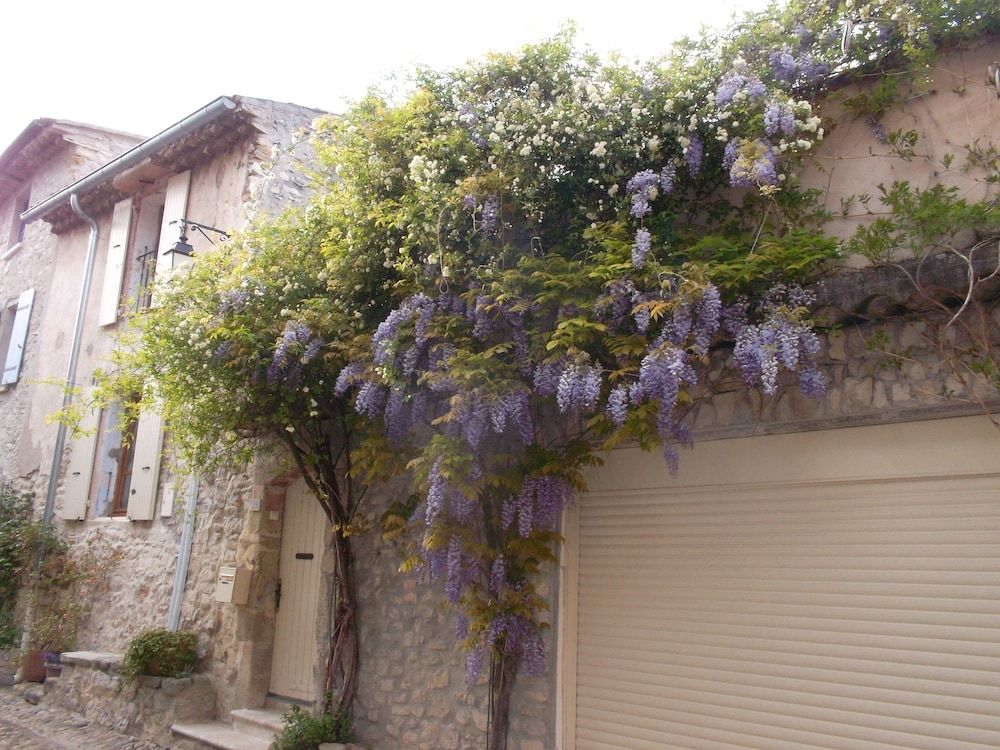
{"x": 46, "y": 156}
{"x": 412, "y": 693}
{"x": 235, "y": 158}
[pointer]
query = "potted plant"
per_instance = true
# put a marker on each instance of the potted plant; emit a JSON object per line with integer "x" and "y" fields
{"x": 161, "y": 653}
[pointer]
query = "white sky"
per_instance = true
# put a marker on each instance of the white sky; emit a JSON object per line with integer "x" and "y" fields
{"x": 141, "y": 66}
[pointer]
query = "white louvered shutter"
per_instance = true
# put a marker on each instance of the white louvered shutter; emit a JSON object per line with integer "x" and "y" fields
{"x": 859, "y": 610}
{"x": 174, "y": 209}
{"x": 145, "y": 466}
{"x": 18, "y": 338}
{"x": 149, "y": 431}
{"x": 114, "y": 270}
{"x": 76, "y": 482}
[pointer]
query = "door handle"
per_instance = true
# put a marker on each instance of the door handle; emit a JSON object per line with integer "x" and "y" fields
{"x": 277, "y": 595}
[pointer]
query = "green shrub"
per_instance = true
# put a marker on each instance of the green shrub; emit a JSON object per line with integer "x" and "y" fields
{"x": 10, "y": 633}
{"x": 22, "y": 540}
{"x": 161, "y": 652}
{"x": 303, "y": 731}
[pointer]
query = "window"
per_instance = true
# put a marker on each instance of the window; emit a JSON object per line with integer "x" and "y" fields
{"x": 123, "y": 479}
{"x": 21, "y": 204}
{"x": 14, "y": 318}
{"x": 114, "y": 468}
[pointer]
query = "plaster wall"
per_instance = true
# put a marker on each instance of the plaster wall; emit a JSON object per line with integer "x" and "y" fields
{"x": 955, "y": 110}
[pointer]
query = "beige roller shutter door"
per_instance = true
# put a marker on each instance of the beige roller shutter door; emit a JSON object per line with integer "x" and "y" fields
{"x": 836, "y": 589}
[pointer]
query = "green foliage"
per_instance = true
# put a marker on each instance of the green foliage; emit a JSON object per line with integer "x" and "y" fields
{"x": 922, "y": 222}
{"x": 303, "y": 731}
{"x": 70, "y": 580}
{"x": 22, "y": 542}
{"x": 161, "y": 652}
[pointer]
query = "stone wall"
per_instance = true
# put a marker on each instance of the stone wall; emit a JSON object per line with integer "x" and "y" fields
{"x": 413, "y": 692}
{"x": 91, "y": 685}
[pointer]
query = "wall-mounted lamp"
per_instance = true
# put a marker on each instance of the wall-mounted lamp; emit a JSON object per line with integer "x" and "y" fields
{"x": 183, "y": 247}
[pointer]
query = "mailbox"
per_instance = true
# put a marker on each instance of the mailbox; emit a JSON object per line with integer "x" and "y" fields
{"x": 233, "y": 585}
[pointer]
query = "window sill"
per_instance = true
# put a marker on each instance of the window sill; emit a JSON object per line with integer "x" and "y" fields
{"x": 12, "y": 251}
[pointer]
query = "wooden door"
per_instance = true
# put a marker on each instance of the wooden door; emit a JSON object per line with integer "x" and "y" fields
{"x": 295, "y": 657}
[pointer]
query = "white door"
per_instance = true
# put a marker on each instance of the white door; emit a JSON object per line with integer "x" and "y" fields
{"x": 836, "y": 590}
{"x": 293, "y": 665}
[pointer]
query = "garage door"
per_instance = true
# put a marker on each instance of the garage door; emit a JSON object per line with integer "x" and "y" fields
{"x": 835, "y": 589}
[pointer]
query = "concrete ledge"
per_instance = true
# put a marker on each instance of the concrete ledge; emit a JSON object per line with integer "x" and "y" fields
{"x": 102, "y": 660}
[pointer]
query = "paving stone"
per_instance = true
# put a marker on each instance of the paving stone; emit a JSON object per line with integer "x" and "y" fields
{"x": 24, "y": 726}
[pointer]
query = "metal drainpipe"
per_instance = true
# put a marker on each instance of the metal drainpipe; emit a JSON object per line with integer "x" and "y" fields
{"x": 183, "y": 555}
{"x": 74, "y": 357}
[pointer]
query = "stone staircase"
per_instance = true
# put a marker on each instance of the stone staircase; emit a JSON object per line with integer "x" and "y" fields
{"x": 250, "y": 729}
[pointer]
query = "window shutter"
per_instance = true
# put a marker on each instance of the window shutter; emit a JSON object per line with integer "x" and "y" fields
{"x": 114, "y": 270}
{"x": 145, "y": 466}
{"x": 149, "y": 432}
{"x": 174, "y": 209}
{"x": 76, "y": 482}
{"x": 18, "y": 337}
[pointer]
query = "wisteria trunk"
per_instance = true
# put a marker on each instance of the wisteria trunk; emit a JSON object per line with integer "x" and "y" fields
{"x": 342, "y": 664}
{"x": 502, "y": 674}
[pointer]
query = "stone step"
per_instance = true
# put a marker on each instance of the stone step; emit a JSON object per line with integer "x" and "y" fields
{"x": 221, "y": 736}
{"x": 282, "y": 704}
{"x": 259, "y": 722}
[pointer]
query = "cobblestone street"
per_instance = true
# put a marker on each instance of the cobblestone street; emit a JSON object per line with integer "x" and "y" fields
{"x": 27, "y": 727}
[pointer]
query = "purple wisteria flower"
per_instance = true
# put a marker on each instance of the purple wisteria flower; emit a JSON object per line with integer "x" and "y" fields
{"x": 460, "y": 569}
{"x": 779, "y": 118}
{"x": 812, "y": 68}
{"x": 694, "y": 154}
{"x": 641, "y": 247}
{"x": 756, "y": 89}
{"x": 734, "y": 316}
{"x": 664, "y": 371}
{"x": 708, "y": 318}
{"x": 782, "y": 339}
{"x": 643, "y": 188}
{"x": 233, "y": 301}
{"x": 490, "y": 221}
{"x": 728, "y": 87}
{"x": 667, "y": 175}
{"x": 470, "y": 120}
{"x": 370, "y": 399}
{"x": 617, "y": 406}
{"x": 755, "y": 164}
{"x": 736, "y": 83}
{"x": 546, "y": 379}
{"x": 579, "y": 388}
{"x": 498, "y": 575}
{"x": 295, "y": 347}
{"x": 616, "y": 302}
{"x": 784, "y": 66}
{"x": 878, "y": 129}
